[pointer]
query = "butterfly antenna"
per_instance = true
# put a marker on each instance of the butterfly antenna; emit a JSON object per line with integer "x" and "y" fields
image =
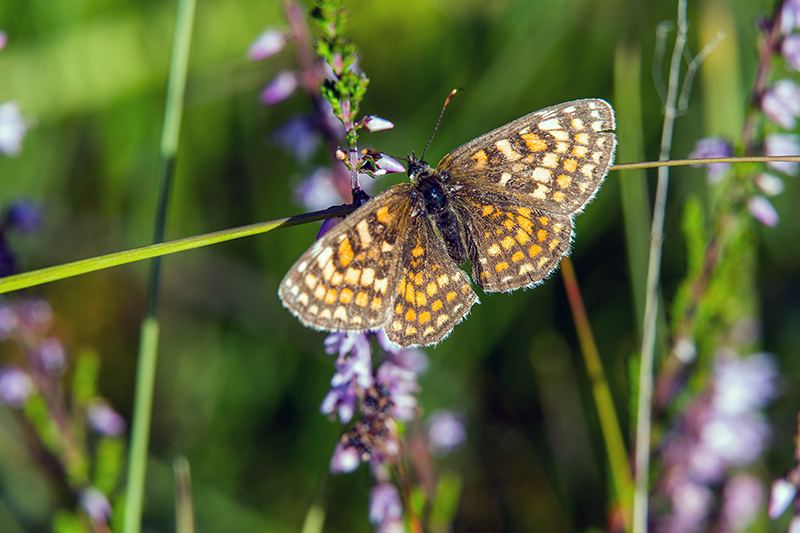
{"x": 446, "y": 101}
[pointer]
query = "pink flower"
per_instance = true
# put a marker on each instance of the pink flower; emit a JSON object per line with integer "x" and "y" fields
{"x": 270, "y": 42}
{"x": 12, "y": 129}
{"x": 280, "y": 88}
{"x": 781, "y": 103}
{"x": 763, "y": 211}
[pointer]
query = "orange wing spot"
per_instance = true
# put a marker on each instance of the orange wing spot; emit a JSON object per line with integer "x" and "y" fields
{"x": 376, "y": 304}
{"x": 559, "y": 196}
{"x": 582, "y": 138}
{"x": 484, "y": 274}
{"x": 362, "y": 299}
{"x": 398, "y": 309}
{"x": 541, "y": 235}
{"x": 330, "y": 297}
{"x": 493, "y": 249}
{"x": 431, "y": 288}
{"x": 522, "y": 237}
{"x": 345, "y": 252}
{"x": 311, "y": 281}
{"x": 401, "y": 287}
{"x": 451, "y": 296}
{"x": 534, "y": 250}
{"x": 336, "y": 278}
{"x": 541, "y": 263}
{"x": 534, "y": 142}
{"x": 352, "y": 275}
{"x": 422, "y": 300}
{"x": 418, "y": 278}
{"x": 410, "y": 293}
{"x": 524, "y": 211}
{"x": 553, "y": 244}
{"x": 418, "y": 251}
{"x": 570, "y": 165}
{"x": 464, "y": 289}
{"x": 443, "y": 280}
{"x": 383, "y": 215}
{"x": 429, "y": 330}
{"x": 518, "y": 256}
{"x": 411, "y": 315}
{"x": 501, "y": 266}
{"x": 411, "y": 330}
{"x": 563, "y": 181}
{"x": 580, "y": 151}
{"x": 487, "y": 210}
{"x": 319, "y": 292}
{"x": 424, "y": 317}
{"x": 525, "y": 223}
{"x": 509, "y": 224}
{"x": 346, "y": 296}
{"x": 481, "y": 161}
{"x": 507, "y": 242}
{"x": 436, "y": 305}
{"x": 544, "y": 220}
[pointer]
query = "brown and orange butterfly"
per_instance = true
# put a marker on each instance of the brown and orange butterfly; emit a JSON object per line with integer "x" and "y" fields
{"x": 505, "y": 201}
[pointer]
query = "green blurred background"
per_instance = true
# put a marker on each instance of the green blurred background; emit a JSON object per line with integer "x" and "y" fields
{"x": 239, "y": 379}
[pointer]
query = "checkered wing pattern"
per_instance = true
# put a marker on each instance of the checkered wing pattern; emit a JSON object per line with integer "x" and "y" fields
{"x": 553, "y": 159}
{"x": 433, "y": 294}
{"x": 513, "y": 246}
{"x": 347, "y": 280}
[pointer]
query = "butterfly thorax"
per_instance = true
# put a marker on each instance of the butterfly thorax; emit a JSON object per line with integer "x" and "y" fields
{"x": 433, "y": 192}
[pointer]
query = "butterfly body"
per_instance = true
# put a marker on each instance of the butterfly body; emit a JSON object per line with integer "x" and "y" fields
{"x": 505, "y": 201}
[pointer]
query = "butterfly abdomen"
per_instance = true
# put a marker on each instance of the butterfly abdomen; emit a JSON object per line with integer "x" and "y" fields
{"x": 444, "y": 218}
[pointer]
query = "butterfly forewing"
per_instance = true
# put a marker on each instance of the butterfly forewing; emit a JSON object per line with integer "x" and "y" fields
{"x": 554, "y": 159}
{"x": 346, "y": 281}
{"x": 433, "y": 294}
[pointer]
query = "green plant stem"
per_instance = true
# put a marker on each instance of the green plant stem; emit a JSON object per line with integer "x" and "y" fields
{"x": 607, "y": 413}
{"x": 148, "y": 345}
{"x": 84, "y": 266}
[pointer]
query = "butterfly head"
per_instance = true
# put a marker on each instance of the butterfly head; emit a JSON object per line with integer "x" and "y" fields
{"x": 417, "y": 168}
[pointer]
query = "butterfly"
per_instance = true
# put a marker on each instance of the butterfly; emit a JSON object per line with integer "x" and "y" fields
{"x": 504, "y": 200}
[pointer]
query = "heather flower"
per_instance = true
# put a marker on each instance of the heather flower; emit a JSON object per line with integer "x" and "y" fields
{"x": 763, "y": 211}
{"x": 385, "y": 508}
{"x": 279, "y": 89}
{"x": 317, "y": 191}
{"x": 15, "y": 386}
{"x": 769, "y": 184}
{"x": 781, "y": 103}
{"x": 345, "y": 459}
{"x": 3, "y": 39}
{"x": 742, "y": 500}
{"x": 105, "y": 420}
{"x": 8, "y": 320}
{"x": 446, "y": 432}
{"x": 298, "y": 137}
{"x": 790, "y": 48}
{"x": 743, "y": 385}
{"x": 713, "y": 147}
{"x": 779, "y": 144}
{"x": 95, "y": 504}
{"x": 402, "y": 386}
{"x": 12, "y": 128}
{"x": 782, "y": 494}
{"x": 387, "y": 163}
{"x": 23, "y": 216}
{"x": 270, "y": 42}
{"x": 51, "y": 355}
{"x": 790, "y": 16}
{"x": 374, "y": 123}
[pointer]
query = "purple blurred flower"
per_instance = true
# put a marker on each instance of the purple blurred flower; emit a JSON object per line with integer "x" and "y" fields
{"x": 280, "y": 88}
{"x": 51, "y": 355}
{"x": 691, "y": 504}
{"x": 270, "y": 42}
{"x": 15, "y": 386}
{"x": 95, "y": 504}
{"x": 385, "y": 509}
{"x": 794, "y": 525}
{"x": 742, "y": 385}
{"x": 742, "y": 500}
{"x": 790, "y": 16}
{"x": 8, "y": 320}
{"x": 387, "y": 163}
{"x": 763, "y": 211}
{"x": 3, "y": 39}
{"x": 351, "y": 372}
{"x": 298, "y": 137}
{"x": 770, "y": 185}
{"x": 713, "y": 147}
{"x": 409, "y": 358}
{"x": 105, "y": 420}
{"x": 778, "y": 144}
{"x": 781, "y": 103}
{"x": 317, "y": 191}
{"x": 345, "y": 459}
{"x": 782, "y": 494}
{"x": 446, "y": 432}
{"x": 790, "y": 48}
{"x": 24, "y": 216}
{"x": 342, "y": 400}
{"x": 12, "y": 128}
{"x": 375, "y": 123}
